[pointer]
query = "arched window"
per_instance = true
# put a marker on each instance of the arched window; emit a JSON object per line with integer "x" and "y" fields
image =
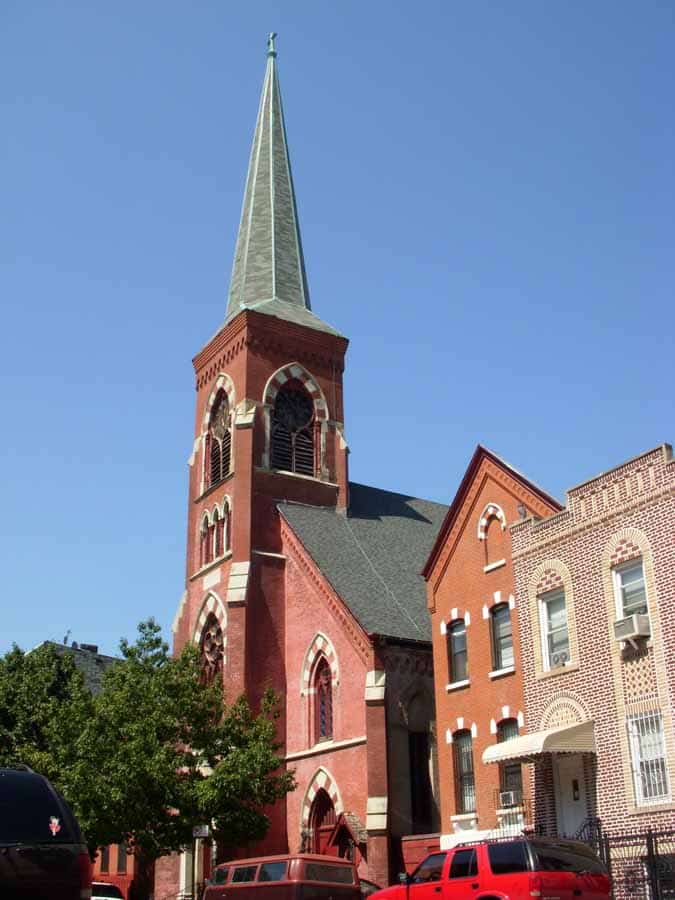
{"x": 555, "y": 631}
{"x": 205, "y": 543}
{"x": 502, "y": 637}
{"x": 465, "y": 786}
{"x": 219, "y": 440}
{"x": 218, "y": 523}
{"x": 211, "y": 649}
{"x": 293, "y": 430}
{"x": 323, "y": 692}
{"x": 510, "y": 774}
{"x": 458, "y": 668}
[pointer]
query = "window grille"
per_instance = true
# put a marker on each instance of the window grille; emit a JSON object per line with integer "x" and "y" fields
{"x": 464, "y": 776}
{"x": 502, "y": 637}
{"x": 457, "y": 652}
{"x": 648, "y": 758}
{"x": 556, "y": 634}
{"x": 293, "y": 431}
{"x": 630, "y": 582}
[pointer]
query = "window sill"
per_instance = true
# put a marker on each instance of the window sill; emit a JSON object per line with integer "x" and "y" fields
{"x": 213, "y": 487}
{"x": 664, "y": 806}
{"x": 288, "y": 474}
{"x": 464, "y": 817}
{"x": 495, "y": 565}
{"x": 211, "y": 565}
{"x": 458, "y": 685}
{"x": 561, "y": 670}
{"x": 498, "y": 673}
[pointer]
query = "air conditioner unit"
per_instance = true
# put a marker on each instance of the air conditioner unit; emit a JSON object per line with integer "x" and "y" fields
{"x": 633, "y": 627}
{"x": 509, "y": 798}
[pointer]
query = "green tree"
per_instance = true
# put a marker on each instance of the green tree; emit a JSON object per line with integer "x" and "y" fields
{"x": 44, "y": 705}
{"x": 155, "y": 753}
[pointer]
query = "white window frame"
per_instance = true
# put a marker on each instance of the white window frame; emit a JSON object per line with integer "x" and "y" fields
{"x": 616, "y": 580}
{"x": 633, "y": 728}
{"x": 543, "y": 628}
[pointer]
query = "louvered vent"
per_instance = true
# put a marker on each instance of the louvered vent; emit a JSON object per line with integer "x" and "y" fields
{"x": 292, "y": 432}
{"x": 304, "y": 453}
{"x": 215, "y": 461}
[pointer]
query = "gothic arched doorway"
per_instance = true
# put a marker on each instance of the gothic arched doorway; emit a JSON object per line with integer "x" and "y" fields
{"x": 322, "y": 820}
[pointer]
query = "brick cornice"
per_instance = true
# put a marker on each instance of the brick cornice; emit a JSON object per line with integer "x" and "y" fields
{"x": 487, "y": 471}
{"x": 592, "y": 522}
{"x": 261, "y": 332}
{"x": 334, "y": 602}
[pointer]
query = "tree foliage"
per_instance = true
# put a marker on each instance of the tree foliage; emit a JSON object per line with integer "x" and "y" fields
{"x": 155, "y": 753}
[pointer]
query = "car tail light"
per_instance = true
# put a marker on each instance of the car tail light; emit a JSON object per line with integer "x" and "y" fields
{"x": 536, "y": 885}
{"x": 84, "y": 865}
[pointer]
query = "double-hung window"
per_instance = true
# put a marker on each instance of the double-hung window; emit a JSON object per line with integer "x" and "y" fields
{"x": 457, "y": 655}
{"x": 555, "y": 633}
{"x": 648, "y": 758}
{"x": 502, "y": 637}
{"x": 510, "y": 774}
{"x": 629, "y": 581}
{"x": 464, "y": 778}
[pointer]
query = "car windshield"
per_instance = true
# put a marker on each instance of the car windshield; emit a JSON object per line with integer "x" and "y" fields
{"x": 106, "y": 890}
{"x": 30, "y": 813}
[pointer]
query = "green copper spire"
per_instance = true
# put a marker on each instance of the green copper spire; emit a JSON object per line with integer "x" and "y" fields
{"x": 269, "y": 267}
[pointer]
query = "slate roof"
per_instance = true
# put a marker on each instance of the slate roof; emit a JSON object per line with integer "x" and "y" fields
{"x": 91, "y": 663}
{"x": 269, "y": 266}
{"x": 372, "y": 557}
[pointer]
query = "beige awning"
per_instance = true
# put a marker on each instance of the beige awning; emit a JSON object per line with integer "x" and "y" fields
{"x": 565, "y": 739}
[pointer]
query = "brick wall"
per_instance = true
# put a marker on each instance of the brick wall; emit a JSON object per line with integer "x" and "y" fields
{"x": 473, "y": 573}
{"x": 622, "y": 514}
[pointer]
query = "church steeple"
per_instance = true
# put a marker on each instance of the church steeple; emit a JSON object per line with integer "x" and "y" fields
{"x": 269, "y": 268}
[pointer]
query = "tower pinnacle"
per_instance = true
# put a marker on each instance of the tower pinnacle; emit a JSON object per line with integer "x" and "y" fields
{"x": 268, "y": 274}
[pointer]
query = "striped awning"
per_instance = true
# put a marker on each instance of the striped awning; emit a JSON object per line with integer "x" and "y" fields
{"x": 565, "y": 739}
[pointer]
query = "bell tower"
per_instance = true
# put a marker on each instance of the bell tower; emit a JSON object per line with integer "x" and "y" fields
{"x": 269, "y": 426}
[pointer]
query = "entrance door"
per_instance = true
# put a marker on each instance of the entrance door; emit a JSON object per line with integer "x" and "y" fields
{"x": 570, "y": 792}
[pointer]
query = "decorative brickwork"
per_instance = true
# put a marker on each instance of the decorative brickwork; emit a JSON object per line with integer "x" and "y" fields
{"x": 623, "y": 515}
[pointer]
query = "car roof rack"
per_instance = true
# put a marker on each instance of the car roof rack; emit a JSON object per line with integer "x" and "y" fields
{"x": 19, "y": 767}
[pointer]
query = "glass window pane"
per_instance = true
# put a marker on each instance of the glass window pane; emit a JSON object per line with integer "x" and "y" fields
{"x": 555, "y": 624}
{"x": 458, "y": 654}
{"x": 243, "y": 873}
{"x": 509, "y": 856}
{"x": 272, "y": 871}
{"x": 632, "y": 586}
{"x": 502, "y": 637}
{"x": 429, "y": 870}
{"x": 463, "y": 864}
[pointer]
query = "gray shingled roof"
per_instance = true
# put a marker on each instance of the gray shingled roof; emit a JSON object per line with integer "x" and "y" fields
{"x": 269, "y": 267}
{"x": 91, "y": 663}
{"x": 373, "y": 556}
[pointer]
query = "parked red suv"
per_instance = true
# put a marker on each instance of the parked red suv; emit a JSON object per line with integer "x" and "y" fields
{"x": 513, "y": 869}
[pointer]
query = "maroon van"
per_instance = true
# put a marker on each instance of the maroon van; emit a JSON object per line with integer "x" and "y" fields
{"x": 302, "y": 876}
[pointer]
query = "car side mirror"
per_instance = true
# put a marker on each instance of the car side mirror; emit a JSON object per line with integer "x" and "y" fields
{"x": 404, "y": 878}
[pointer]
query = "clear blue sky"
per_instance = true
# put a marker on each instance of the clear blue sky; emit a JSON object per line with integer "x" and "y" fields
{"x": 486, "y": 196}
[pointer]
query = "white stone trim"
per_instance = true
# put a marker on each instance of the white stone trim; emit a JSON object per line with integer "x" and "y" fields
{"x": 457, "y": 685}
{"x": 237, "y": 585}
{"x": 326, "y": 747}
{"x": 375, "y": 686}
{"x": 376, "y": 813}
{"x": 211, "y": 604}
{"x": 491, "y": 510}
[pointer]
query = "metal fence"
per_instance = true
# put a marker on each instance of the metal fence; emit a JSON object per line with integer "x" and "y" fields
{"x": 641, "y": 863}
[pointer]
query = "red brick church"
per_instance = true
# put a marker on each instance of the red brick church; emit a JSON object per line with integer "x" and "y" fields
{"x": 296, "y": 577}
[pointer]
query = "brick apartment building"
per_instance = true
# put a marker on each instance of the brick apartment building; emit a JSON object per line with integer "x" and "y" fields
{"x": 477, "y": 659}
{"x": 290, "y": 578}
{"x": 595, "y": 584}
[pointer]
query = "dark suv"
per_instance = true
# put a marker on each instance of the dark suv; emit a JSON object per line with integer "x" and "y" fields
{"x": 42, "y": 854}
